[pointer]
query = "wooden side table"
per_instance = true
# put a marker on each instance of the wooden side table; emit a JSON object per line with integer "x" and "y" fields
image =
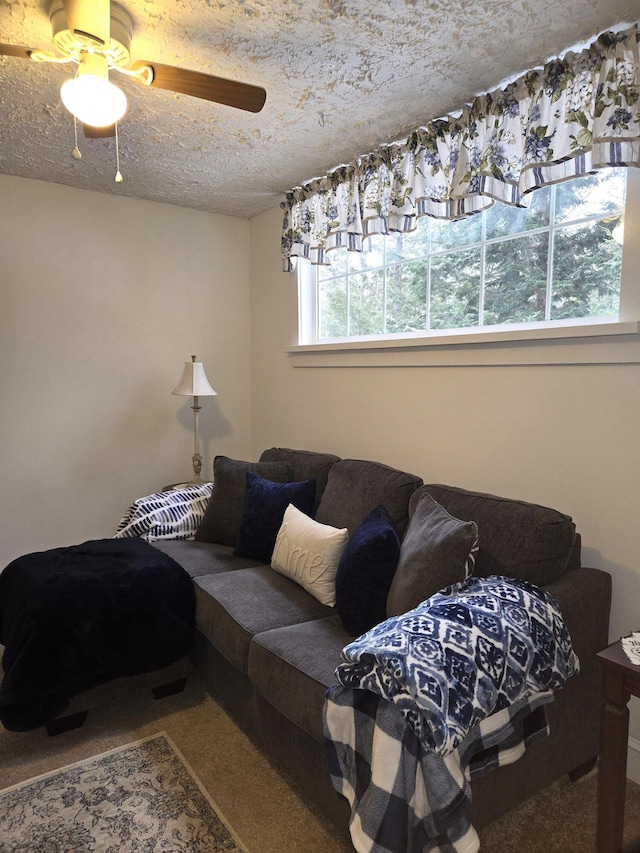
{"x": 621, "y": 681}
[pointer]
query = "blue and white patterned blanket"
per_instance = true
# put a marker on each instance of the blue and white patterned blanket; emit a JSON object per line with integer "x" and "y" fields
{"x": 435, "y": 697}
{"x": 469, "y": 651}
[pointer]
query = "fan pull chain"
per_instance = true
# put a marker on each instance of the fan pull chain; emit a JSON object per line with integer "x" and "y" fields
{"x": 118, "y": 178}
{"x": 76, "y": 153}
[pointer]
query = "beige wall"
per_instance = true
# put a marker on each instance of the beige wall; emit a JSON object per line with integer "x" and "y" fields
{"x": 565, "y": 435}
{"x": 103, "y": 299}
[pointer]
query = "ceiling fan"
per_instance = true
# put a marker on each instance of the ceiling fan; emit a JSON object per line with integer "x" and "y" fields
{"x": 96, "y": 36}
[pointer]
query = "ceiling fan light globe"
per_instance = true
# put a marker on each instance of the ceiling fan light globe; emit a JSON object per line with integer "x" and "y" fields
{"x": 93, "y": 100}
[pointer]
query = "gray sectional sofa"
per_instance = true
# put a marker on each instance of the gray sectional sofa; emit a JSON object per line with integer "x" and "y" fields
{"x": 267, "y": 649}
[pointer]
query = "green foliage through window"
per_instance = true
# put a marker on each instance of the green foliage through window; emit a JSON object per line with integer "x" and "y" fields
{"x": 554, "y": 260}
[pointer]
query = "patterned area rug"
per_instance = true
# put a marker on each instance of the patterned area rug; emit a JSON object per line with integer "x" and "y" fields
{"x": 142, "y": 797}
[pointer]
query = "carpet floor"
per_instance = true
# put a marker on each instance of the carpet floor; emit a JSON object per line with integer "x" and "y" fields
{"x": 265, "y": 811}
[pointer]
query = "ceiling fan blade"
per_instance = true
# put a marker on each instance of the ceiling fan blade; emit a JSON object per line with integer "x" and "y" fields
{"x": 243, "y": 96}
{"x": 15, "y": 50}
{"x": 98, "y": 132}
{"x": 89, "y": 19}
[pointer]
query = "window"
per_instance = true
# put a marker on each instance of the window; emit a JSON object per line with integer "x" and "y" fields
{"x": 556, "y": 260}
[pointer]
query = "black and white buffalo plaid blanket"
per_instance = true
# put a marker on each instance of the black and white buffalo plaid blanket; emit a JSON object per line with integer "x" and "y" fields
{"x": 435, "y": 697}
{"x": 403, "y": 798}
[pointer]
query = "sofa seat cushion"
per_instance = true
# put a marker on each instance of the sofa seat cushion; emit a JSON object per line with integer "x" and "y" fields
{"x": 204, "y": 558}
{"x": 234, "y": 606}
{"x": 356, "y": 487}
{"x": 304, "y": 465}
{"x": 292, "y": 667}
{"x": 517, "y": 539}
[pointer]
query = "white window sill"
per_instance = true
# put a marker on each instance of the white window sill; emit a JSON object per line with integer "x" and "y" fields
{"x": 577, "y": 342}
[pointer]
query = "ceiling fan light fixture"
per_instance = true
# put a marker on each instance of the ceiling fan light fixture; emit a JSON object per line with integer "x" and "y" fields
{"x": 90, "y": 96}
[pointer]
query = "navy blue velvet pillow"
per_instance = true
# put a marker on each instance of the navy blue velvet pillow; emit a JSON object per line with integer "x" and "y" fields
{"x": 264, "y": 506}
{"x": 365, "y": 572}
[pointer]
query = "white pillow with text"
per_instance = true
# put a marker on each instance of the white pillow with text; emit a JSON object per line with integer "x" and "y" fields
{"x": 309, "y": 552}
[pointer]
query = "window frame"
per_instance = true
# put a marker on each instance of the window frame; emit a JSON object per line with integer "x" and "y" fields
{"x": 517, "y": 333}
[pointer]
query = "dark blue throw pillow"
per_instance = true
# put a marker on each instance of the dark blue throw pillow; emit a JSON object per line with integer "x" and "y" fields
{"x": 264, "y": 505}
{"x": 365, "y": 572}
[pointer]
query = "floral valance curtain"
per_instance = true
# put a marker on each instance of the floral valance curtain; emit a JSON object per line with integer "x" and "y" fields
{"x": 576, "y": 114}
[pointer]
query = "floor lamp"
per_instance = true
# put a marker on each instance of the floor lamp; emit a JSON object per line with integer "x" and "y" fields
{"x": 194, "y": 383}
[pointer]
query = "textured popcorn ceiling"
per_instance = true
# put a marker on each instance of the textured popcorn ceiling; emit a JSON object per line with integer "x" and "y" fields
{"x": 342, "y": 76}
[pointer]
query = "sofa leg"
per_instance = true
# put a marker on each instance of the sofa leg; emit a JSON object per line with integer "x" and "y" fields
{"x": 582, "y": 769}
{"x": 66, "y": 724}
{"x": 164, "y": 690}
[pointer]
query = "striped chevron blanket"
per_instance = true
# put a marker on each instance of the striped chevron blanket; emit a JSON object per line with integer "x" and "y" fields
{"x": 174, "y": 514}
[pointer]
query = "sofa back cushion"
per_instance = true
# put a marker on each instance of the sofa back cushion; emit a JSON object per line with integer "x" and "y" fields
{"x": 356, "y": 487}
{"x": 304, "y": 465}
{"x": 517, "y": 539}
{"x": 224, "y": 512}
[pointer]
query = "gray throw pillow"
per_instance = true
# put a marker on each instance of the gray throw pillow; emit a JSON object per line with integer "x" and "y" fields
{"x": 223, "y": 515}
{"x": 438, "y": 550}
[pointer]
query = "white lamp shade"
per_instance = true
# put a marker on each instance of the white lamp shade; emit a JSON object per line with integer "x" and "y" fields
{"x": 194, "y": 382}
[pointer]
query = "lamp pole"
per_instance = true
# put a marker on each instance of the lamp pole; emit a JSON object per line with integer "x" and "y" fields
{"x": 196, "y": 458}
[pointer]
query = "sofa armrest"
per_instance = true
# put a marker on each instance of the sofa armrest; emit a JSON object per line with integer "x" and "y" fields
{"x": 584, "y": 596}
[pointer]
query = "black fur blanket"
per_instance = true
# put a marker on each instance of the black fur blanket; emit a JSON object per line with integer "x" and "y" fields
{"x": 72, "y": 618}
